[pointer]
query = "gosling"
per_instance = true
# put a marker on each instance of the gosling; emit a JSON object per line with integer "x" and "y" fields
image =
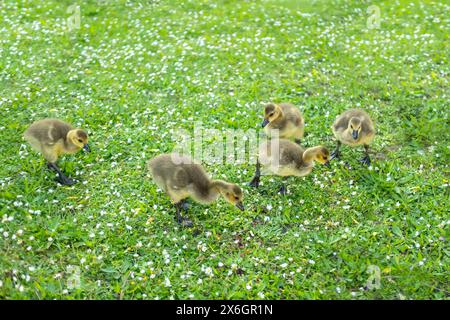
{"x": 53, "y": 138}
{"x": 180, "y": 177}
{"x": 285, "y": 118}
{"x": 354, "y": 128}
{"x": 284, "y": 158}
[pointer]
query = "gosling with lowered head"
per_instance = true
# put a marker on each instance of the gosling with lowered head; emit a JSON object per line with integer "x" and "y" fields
{"x": 53, "y": 138}
{"x": 180, "y": 177}
{"x": 284, "y": 158}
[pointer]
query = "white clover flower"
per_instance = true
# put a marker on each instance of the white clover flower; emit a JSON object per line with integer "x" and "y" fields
{"x": 209, "y": 271}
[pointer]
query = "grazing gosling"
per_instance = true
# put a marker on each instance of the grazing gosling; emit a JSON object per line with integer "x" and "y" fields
{"x": 284, "y": 117}
{"x": 53, "y": 138}
{"x": 284, "y": 158}
{"x": 353, "y": 127}
{"x": 181, "y": 178}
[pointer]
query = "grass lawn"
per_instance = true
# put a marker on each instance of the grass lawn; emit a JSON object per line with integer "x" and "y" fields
{"x": 134, "y": 72}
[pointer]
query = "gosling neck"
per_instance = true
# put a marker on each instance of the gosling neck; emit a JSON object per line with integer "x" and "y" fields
{"x": 68, "y": 144}
{"x": 218, "y": 185}
{"x": 310, "y": 154}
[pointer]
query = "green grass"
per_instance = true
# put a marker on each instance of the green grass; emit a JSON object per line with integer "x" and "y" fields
{"x": 136, "y": 71}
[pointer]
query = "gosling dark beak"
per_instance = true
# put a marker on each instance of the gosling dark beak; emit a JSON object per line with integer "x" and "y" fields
{"x": 327, "y": 163}
{"x": 264, "y": 123}
{"x": 240, "y": 206}
{"x": 86, "y": 148}
{"x": 355, "y": 134}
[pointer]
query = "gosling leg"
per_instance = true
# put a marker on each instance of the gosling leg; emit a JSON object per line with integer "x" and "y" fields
{"x": 185, "y": 205}
{"x": 62, "y": 178}
{"x": 283, "y": 189}
{"x": 336, "y": 153}
{"x": 185, "y": 222}
{"x": 255, "y": 181}
{"x": 366, "y": 159}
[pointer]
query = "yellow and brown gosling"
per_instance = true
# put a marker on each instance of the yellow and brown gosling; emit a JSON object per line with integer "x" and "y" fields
{"x": 180, "y": 177}
{"x": 354, "y": 128}
{"x": 285, "y": 118}
{"x": 284, "y": 158}
{"x": 53, "y": 138}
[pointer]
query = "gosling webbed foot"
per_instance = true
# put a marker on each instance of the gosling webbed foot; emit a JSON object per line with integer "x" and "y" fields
{"x": 62, "y": 178}
{"x": 282, "y": 190}
{"x": 255, "y": 182}
{"x": 66, "y": 181}
{"x": 365, "y": 160}
{"x": 336, "y": 154}
{"x": 185, "y": 205}
{"x": 183, "y": 221}
{"x": 187, "y": 223}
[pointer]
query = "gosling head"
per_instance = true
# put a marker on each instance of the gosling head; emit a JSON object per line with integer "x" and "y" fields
{"x": 79, "y": 138}
{"x": 232, "y": 193}
{"x": 322, "y": 156}
{"x": 354, "y": 126}
{"x": 271, "y": 113}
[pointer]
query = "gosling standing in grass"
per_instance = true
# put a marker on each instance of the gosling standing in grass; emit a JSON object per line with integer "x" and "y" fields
{"x": 354, "y": 128}
{"x": 285, "y": 118}
{"x": 181, "y": 178}
{"x": 53, "y": 138}
{"x": 284, "y": 158}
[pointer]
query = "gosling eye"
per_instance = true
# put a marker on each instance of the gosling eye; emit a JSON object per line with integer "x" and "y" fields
{"x": 79, "y": 140}
{"x": 351, "y": 127}
{"x": 236, "y": 198}
{"x": 270, "y": 115}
